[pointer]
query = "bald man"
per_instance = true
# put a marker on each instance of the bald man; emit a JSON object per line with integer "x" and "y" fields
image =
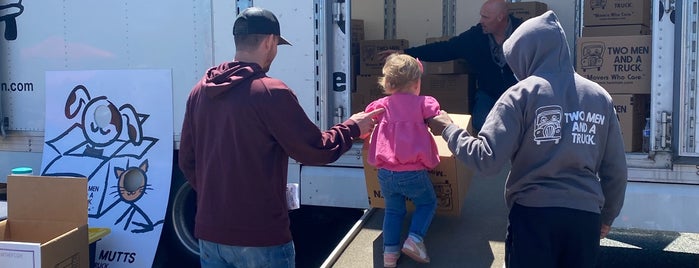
{"x": 481, "y": 47}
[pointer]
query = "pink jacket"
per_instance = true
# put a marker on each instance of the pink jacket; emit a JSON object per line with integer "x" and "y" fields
{"x": 401, "y": 140}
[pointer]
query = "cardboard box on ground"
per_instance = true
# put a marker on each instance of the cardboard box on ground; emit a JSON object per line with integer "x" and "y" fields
{"x": 450, "y": 178}
{"x": 616, "y": 12}
{"x": 46, "y": 224}
{"x": 632, "y": 111}
{"x": 620, "y": 64}
{"x": 526, "y": 10}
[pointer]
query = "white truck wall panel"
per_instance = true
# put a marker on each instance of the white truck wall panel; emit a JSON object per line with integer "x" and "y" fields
{"x": 333, "y": 186}
{"x": 89, "y": 35}
{"x": 295, "y": 64}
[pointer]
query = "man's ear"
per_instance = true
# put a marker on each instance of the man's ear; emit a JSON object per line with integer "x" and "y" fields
{"x": 270, "y": 41}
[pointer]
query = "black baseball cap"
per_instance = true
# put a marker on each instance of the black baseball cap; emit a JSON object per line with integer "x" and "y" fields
{"x": 255, "y": 20}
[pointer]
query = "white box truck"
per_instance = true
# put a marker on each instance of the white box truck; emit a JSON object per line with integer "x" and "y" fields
{"x": 187, "y": 37}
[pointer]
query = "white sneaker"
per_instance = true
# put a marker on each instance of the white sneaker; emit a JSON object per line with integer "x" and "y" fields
{"x": 416, "y": 251}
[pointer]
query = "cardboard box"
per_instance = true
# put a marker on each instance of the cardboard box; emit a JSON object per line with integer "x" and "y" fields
{"x": 356, "y": 34}
{"x": 616, "y": 12}
{"x": 526, "y": 10}
{"x": 450, "y": 90}
{"x": 46, "y": 224}
{"x": 615, "y": 30}
{"x": 369, "y": 61}
{"x": 458, "y": 66}
{"x": 358, "y": 102}
{"x": 450, "y": 178}
{"x": 367, "y": 89}
{"x": 620, "y": 64}
{"x": 632, "y": 111}
{"x": 368, "y": 85}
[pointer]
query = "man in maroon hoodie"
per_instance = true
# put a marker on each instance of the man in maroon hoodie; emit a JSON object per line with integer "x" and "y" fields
{"x": 239, "y": 130}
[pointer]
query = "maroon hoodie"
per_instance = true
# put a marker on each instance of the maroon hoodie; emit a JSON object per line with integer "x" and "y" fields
{"x": 239, "y": 130}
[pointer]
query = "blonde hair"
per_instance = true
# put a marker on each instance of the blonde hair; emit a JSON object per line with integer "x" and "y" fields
{"x": 399, "y": 72}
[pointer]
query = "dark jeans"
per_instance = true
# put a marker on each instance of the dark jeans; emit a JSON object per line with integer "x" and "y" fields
{"x": 551, "y": 237}
{"x": 481, "y": 107}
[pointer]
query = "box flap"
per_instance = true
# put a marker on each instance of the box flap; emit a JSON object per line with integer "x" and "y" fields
{"x": 44, "y": 198}
{"x": 461, "y": 120}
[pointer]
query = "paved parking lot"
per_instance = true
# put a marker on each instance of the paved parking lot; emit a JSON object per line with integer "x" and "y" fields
{"x": 476, "y": 239}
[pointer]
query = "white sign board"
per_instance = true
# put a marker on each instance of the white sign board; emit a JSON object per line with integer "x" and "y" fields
{"x": 115, "y": 128}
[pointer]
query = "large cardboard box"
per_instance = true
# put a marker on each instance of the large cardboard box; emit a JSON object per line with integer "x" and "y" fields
{"x": 450, "y": 178}
{"x": 370, "y": 62}
{"x": 46, "y": 224}
{"x": 615, "y": 30}
{"x": 458, "y": 66}
{"x": 526, "y": 10}
{"x": 450, "y": 90}
{"x": 616, "y": 12}
{"x": 620, "y": 64}
{"x": 632, "y": 110}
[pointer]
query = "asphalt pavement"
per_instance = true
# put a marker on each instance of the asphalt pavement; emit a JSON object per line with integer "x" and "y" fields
{"x": 476, "y": 239}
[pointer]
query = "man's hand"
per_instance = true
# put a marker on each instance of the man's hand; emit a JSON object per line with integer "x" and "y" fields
{"x": 439, "y": 123}
{"x": 604, "y": 231}
{"x": 385, "y": 53}
{"x": 366, "y": 121}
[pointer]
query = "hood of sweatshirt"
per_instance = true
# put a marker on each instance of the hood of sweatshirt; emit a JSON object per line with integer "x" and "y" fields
{"x": 538, "y": 47}
{"x": 226, "y": 76}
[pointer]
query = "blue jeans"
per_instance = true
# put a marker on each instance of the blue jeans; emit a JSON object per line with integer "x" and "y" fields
{"x": 481, "y": 107}
{"x": 214, "y": 255}
{"x": 396, "y": 186}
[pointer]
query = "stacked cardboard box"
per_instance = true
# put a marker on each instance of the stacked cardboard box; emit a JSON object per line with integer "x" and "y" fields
{"x": 450, "y": 178}
{"x": 356, "y": 34}
{"x": 526, "y": 10}
{"x": 450, "y": 90}
{"x": 458, "y": 66}
{"x": 447, "y": 81}
{"x": 615, "y": 30}
{"x": 615, "y": 52}
{"x": 616, "y": 12}
{"x": 632, "y": 110}
{"x": 369, "y": 60}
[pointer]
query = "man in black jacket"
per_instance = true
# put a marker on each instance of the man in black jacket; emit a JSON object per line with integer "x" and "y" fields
{"x": 481, "y": 47}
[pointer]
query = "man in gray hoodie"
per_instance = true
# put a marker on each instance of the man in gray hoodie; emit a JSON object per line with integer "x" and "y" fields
{"x": 561, "y": 134}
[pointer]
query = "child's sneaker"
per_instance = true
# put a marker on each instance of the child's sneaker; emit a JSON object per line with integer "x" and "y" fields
{"x": 390, "y": 259}
{"x": 416, "y": 251}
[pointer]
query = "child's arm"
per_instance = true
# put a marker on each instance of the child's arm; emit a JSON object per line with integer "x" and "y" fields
{"x": 430, "y": 108}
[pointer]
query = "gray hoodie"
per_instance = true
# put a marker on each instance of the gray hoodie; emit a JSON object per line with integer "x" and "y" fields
{"x": 559, "y": 130}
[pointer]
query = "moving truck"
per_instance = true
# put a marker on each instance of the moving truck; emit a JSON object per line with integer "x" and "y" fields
{"x": 186, "y": 37}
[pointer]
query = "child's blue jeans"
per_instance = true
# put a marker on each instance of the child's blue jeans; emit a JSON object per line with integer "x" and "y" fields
{"x": 396, "y": 186}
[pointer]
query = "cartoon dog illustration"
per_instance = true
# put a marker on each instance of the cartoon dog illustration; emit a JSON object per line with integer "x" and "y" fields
{"x": 106, "y": 135}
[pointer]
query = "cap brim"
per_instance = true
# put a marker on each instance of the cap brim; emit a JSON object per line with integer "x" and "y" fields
{"x": 283, "y": 41}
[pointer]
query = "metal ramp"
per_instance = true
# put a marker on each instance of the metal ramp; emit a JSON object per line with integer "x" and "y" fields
{"x": 474, "y": 239}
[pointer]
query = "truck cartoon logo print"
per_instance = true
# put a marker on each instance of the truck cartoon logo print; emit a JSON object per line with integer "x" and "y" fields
{"x": 548, "y": 124}
{"x": 107, "y": 136}
{"x": 592, "y": 55}
{"x": 8, "y": 14}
